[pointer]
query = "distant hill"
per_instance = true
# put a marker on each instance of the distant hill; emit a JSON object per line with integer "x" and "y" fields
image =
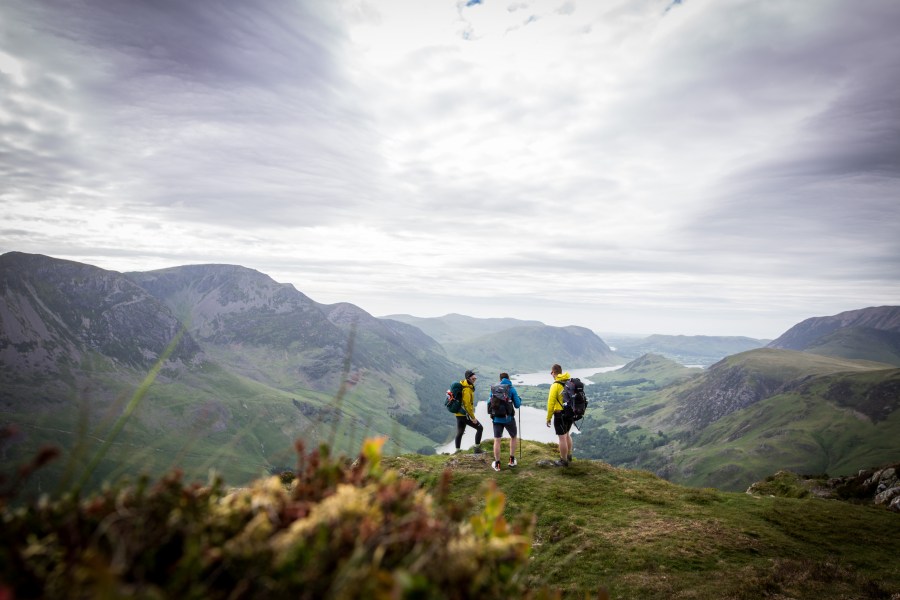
{"x": 686, "y": 349}
{"x": 454, "y": 328}
{"x": 757, "y": 410}
{"x": 653, "y": 368}
{"x": 256, "y": 365}
{"x": 530, "y": 348}
{"x": 868, "y": 333}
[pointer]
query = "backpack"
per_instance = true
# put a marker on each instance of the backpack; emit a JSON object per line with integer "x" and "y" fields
{"x": 574, "y": 400}
{"x": 501, "y": 404}
{"x": 454, "y": 398}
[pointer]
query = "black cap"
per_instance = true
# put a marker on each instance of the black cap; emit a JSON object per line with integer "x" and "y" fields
{"x": 469, "y": 373}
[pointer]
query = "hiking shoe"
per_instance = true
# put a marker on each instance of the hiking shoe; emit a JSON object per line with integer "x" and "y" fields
{"x": 495, "y": 465}
{"x": 512, "y": 461}
{"x": 561, "y": 463}
{"x": 477, "y": 450}
{"x": 569, "y": 459}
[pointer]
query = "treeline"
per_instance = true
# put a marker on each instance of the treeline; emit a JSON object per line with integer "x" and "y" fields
{"x": 618, "y": 447}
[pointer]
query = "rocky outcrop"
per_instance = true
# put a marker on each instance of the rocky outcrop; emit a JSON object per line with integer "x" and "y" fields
{"x": 725, "y": 389}
{"x": 879, "y": 486}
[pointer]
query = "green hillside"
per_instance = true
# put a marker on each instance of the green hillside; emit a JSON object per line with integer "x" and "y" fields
{"x": 458, "y": 328}
{"x": 447, "y": 526}
{"x": 526, "y": 349}
{"x": 642, "y": 537}
{"x": 197, "y": 422}
{"x": 861, "y": 343}
{"x": 651, "y": 368}
{"x": 686, "y": 349}
{"x": 747, "y": 416}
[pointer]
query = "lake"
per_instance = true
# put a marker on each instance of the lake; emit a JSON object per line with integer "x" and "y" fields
{"x": 544, "y": 376}
{"x": 533, "y": 420}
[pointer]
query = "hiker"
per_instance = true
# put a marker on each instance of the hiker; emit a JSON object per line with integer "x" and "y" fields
{"x": 505, "y": 421}
{"x": 467, "y": 417}
{"x": 562, "y": 423}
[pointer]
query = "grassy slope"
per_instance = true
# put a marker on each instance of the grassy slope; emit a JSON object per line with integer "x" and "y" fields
{"x": 198, "y": 422}
{"x": 860, "y": 343}
{"x": 642, "y": 537}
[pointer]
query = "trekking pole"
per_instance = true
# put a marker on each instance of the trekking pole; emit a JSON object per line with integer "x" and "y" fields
{"x": 521, "y": 439}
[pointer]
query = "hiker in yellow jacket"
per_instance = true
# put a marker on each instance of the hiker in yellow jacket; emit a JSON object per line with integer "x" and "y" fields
{"x": 562, "y": 423}
{"x": 467, "y": 418}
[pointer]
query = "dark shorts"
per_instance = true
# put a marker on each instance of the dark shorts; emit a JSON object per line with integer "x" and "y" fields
{"x": 561, "y": 423}
{"x": 510, "y": 427}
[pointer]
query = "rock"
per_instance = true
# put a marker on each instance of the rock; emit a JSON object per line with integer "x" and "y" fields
{"x": 887, "y": 496}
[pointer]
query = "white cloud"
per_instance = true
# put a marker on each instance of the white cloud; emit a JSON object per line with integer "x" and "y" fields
{"x": 696, "y": 167}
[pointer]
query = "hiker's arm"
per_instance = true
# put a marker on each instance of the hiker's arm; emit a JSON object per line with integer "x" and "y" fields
{"x": 551, "y": 402}
{"x": 517, "y": 400}
{"x": 469, "y": 403}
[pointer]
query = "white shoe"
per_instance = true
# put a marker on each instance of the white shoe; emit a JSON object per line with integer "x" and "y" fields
{"x": 495, "y": 465}
{"x": 512, "y": 462}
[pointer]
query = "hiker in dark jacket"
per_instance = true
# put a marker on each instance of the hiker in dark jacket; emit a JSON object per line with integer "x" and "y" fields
{"x": 507, "y": 422}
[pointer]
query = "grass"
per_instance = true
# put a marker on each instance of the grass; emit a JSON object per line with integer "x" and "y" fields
{"x": 642, "y": 537}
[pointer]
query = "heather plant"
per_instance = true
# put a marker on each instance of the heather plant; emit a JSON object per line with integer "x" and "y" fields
{"x": 340, "y": 529}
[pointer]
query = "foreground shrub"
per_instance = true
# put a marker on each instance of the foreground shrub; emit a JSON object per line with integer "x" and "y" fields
{"x": 339, "y": 530}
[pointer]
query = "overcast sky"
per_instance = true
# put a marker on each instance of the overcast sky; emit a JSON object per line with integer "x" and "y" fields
{"x": 636, "y": 166}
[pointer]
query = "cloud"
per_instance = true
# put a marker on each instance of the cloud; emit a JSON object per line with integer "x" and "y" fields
{"x": 680, "y": 160}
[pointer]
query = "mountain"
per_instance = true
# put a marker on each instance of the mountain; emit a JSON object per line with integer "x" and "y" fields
{"x": 455, "y": 328}
{"x": 686, "y": 349}
{"x": 259, "y": 365}
{"x": 530, "y": 348}
{"x": 757, "y": 412}
{"x": 868, "y": 333}
{"x": 60, "y": 321}
{"x": 273, "y": 333}
{"x": 655, "y": 368}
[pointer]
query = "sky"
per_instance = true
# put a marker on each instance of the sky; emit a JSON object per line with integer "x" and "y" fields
{"x": 691, "y": 167}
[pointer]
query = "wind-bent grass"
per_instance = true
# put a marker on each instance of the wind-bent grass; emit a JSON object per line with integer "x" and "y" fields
{"x": 132, "y": 405}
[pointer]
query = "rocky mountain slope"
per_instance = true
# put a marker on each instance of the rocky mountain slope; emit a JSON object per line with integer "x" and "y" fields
{"x": 868, "y": 333}
{"x": 255, "y": 365}
{"x": 759, "y": 411}
{"x": 60, "y": 320}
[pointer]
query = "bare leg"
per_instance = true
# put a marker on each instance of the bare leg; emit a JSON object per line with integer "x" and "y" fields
{"x": 497, "y": 449}
{"x": 564, "y": 447}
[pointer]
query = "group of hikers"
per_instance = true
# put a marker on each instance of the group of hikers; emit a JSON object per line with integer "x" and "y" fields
{"x": 503, "y": 417}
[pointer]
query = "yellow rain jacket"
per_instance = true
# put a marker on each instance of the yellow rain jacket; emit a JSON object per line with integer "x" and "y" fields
{"x": 555, "y": 398}
{"x": 468, "y": 400}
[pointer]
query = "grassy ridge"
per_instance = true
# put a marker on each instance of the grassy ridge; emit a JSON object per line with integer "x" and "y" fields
{"x": 198, "y": 422}
{"x": 642, "y": 537}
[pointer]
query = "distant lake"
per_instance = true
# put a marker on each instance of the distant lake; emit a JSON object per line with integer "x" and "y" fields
{"x": 544, "y": 376}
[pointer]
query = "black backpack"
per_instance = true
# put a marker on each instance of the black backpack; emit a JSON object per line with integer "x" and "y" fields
{"x": 574, "y": 400}
{"x": 501, "y": 404}
{"x": 454, "y": 398}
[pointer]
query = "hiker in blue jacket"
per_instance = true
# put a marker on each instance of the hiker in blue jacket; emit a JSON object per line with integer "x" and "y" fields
{"x": 507, "y": 422}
